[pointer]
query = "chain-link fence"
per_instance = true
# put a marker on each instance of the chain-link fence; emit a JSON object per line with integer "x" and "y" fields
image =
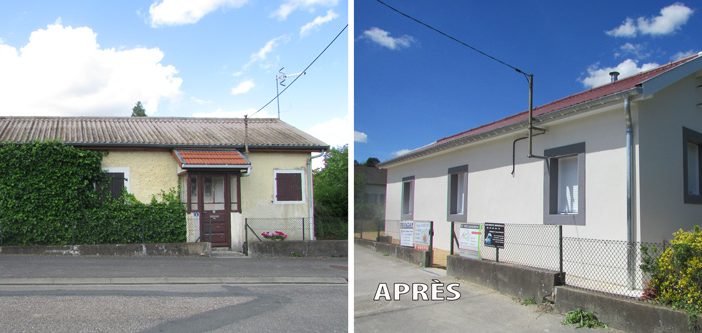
{"x": 274, "y": 229}
{"x": 368, "y": 229}
{"x": 607, "y": 266}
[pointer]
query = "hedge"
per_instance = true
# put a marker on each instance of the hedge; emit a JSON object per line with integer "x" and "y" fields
{"x": 55, "y": 194}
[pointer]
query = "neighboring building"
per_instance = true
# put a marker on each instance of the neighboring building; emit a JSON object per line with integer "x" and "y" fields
{"x": 375, "y": 180}
{"x": 205, "y": 157}
{"x": 468, "y": 177}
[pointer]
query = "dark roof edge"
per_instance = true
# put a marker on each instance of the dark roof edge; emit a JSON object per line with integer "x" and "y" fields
{"x": 572, "y": 110}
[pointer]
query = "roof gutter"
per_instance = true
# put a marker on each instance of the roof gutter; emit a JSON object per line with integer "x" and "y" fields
{"x": 570, "y": 111}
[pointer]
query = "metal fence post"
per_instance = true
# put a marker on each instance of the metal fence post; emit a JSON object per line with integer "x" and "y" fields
{"x": 377, "y": 226}
{"x": 246, "y": 236}
{"x": 431, "y": 243}
{"x": 303, "y": 228}
{"x": 497, "y": 254}
{"x": 560, "y": 248}
{"x": 142, "y": 230}
{"x": 453, "y": 234}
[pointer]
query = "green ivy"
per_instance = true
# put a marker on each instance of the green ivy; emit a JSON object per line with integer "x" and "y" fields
{"x": 52, "y": 193}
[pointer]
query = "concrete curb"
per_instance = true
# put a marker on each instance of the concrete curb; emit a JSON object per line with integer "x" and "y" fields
{"x": 317, "y": 248}
{"x": 172, "y": 280}
{"x": 148, "y": 249}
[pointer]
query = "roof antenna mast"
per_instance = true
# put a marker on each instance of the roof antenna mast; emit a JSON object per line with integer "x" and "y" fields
{"x": 280, "y": 80}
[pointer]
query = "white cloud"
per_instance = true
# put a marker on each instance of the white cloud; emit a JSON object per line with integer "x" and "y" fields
{"x": 360, "y": 137}
{"x": 682, "y": 54}
{"x": 671, "y": 18}
{"x": 317, "y": 22}
{"x": 179, "y": 12}
{"x": 600, "y": 76}
{"x": 401, "y": 152}
{"x": 263, "y": 52}
{"x": 220, "y": 113}
{"x": 243, "y": 87}
{"x": 289, "y": 6}
{"x": 383, "y": 38}
{"x": 63, "y": 71}
{"x": 638, "y": 51}
{"x": 335, "y": 131}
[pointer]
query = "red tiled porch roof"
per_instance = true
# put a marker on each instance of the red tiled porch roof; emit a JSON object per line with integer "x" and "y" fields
{"x": 211, "y": 158}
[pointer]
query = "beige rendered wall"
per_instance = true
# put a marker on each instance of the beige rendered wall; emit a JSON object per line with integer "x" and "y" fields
{"x": 662, "y": 118}
{"x": 494, "y": 195}
{"x": 150, "y": 172}
{"x": 257, "y": 188}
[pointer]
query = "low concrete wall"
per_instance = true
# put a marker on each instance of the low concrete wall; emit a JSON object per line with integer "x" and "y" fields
{"x": 412, "y": 255}
{"x": 620, "y": 313}
{"x": 514, "y": 280}
{"x": 157, "y": 249}
{"x": 318, "y": 248}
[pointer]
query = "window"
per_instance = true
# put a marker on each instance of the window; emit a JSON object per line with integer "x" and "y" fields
{"x": 119, "y": 180}
{"x": 564, "y": 185}
{"x": 193, "y": 193}
{"x": 213, "y": 193}
{"x": 234, "y": 193}
{"x": 407, "y": 205}
{"x": 692, "y": 168}
{"x": 289, "y": 186}
{"x": 183, "y": 189}
{"x": 457, "y": 188}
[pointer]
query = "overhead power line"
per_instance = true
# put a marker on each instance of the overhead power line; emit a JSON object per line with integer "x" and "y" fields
{"x": 452, "y": 38}
{"x": 304, "y": 71}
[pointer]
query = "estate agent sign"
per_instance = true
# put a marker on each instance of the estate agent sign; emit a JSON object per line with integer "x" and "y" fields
{"x": 495, "y": 235}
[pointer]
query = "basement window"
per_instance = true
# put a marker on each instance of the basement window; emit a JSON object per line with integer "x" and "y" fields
{"x": 407, "y": 205}
{"x": 564, "y": 188}
{"x": 457, "y": 188}
{"x": 692, "y": 168}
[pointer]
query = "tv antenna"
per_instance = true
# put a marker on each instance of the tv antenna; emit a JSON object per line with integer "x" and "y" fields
{"x": 280, "y": 80}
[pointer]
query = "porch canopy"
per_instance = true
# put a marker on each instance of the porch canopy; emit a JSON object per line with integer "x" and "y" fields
{"x": 230, "y": 159}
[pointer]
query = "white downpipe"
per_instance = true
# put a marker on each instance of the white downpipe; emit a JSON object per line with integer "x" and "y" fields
{"x": 310, "y": 193}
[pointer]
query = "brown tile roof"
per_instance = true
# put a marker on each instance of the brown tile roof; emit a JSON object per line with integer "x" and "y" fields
{"x": 157, "y": 132}
{"x": 610, "y": 89}
{"x": 211, "y": 157}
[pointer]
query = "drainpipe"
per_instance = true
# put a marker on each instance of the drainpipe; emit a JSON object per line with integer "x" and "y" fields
{"x": 310, "y": 191}
{"x": 630, "y": 236}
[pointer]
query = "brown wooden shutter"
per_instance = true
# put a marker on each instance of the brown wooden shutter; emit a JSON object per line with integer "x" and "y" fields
{"x": 116, "y": 183}
{"x": 289, "y": 187}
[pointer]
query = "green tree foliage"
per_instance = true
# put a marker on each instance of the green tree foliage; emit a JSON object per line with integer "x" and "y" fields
{"x": 331, "y": 194}
{"x": 51, "y": 193}
{"x": 138, "y": 110}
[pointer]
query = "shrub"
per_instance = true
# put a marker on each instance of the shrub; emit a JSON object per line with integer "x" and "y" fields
{"x": 51, "y": 193}
{"x": 676, "y": 276}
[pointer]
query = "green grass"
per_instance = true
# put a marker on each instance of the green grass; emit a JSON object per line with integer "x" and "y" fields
{"x": 528, "y": 301}
{"x": 581, "y": 318}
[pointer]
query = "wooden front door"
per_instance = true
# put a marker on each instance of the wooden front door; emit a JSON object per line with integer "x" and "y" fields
{"x": 213, "y": 193}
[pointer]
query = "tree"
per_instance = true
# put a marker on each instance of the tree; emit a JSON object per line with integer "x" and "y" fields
{"x": 372, "y": 162}
{"x": 331, "y": 202}
{"x": 138, "y": 110}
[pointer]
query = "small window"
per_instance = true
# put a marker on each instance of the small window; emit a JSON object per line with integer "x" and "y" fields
{"x": 564, "y": 188}
{"x": 289, "y": 186}
{"x": 457, "y": 188}
{"x": 407, "y": 208}
{"x": 182, "y": 189}
{"x": 692, "y": 169}
{"x": 116, "y": 183}
{"x": 193, "y": 193}
{"x": 213, "y": 193}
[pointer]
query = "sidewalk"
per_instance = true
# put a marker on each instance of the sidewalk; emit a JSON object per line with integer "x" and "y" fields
{"x": 478, "y": 310}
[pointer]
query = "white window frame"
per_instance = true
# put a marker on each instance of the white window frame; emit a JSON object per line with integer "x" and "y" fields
{"x": 410, "y": 214}
{"x": 303, "y": 187}
{"x": 692, "y": 137}
{"x": 551, "y": 199}
{"x": 461, "y": 171}
{"x": 127, "y": 177}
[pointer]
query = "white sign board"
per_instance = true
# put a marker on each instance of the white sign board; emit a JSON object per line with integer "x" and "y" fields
{"x": 407, "y": 233}
{"x": 421, "y": 233}
{"x": 469, "y": 240}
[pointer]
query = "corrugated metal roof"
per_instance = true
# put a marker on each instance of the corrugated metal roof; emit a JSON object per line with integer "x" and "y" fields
{"x": 211, "y": 157}
{"x": 157, "y": 132}
{"x": 604, "y": 91}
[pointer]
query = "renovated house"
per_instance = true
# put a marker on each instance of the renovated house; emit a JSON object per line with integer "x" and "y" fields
{"x": 617, "y": 162}
{"x": 227, "y": 170}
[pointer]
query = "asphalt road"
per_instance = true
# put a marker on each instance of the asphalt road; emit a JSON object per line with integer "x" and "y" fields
{"x": 479, "y": 309}
{"x": 86, "y": 298}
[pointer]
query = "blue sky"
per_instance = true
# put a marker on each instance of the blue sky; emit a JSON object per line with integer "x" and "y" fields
{"x": 215, "y": 58}
{"x": 414, "y": 86}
